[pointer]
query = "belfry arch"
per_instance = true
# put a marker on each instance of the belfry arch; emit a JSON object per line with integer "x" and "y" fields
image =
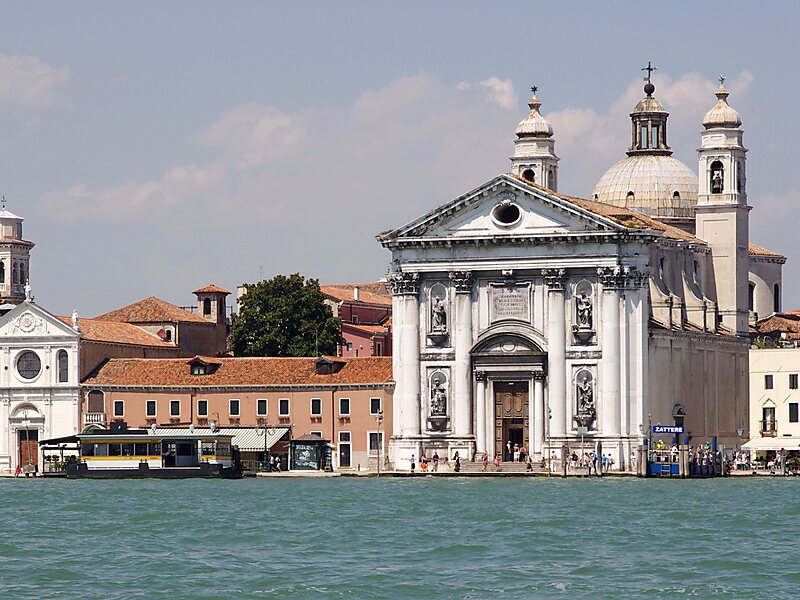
{"x": 509, "y": 364}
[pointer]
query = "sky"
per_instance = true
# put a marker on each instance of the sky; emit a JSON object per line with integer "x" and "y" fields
{"x": 153, "y": 148}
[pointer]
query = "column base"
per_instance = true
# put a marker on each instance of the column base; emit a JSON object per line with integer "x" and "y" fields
{"x": 402, "y": 449}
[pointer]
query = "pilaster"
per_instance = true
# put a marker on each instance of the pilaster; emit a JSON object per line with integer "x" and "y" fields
{"x": 462, "y": 331}
{"x": 556, "y": 349}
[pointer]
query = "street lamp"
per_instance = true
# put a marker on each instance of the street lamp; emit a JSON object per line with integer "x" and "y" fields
{"x": 265, "y": 431}
{"x": 378, "y": 423}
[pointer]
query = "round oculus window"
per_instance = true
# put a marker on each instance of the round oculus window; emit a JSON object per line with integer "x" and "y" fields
{"x": 506, "y": 214}
{"x": 29, "y": 365}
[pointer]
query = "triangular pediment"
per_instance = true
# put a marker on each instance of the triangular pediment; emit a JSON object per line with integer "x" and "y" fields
{"x": 506, "y": 206}
{"x": 32, "y": 321}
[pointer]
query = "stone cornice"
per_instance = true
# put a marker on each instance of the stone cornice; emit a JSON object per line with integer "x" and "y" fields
{"x": 496, "y": 239}
{"x": 239, "y": 388}
{"x": 692, "y": 335}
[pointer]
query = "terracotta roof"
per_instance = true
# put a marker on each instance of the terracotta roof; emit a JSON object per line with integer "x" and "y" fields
{"x": 152, "y": 310}
{"x": 620, "y": 215}
{"x": 788, "y": 323}
{"x": 756, "y": 250}
{"x": 113, "y": 332}
{"x": 371, "y": 293}
{"x": 7, "y": 240}
{"x": 365, "y": 328}
{"x": 240, "y": 371}
{"x": 211, "y": 289}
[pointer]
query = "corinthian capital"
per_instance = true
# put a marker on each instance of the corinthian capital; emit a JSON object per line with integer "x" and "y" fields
{"x": 554, "y": 279}
{"x": 404, "y": 284}
{"x": 461, "y": 281}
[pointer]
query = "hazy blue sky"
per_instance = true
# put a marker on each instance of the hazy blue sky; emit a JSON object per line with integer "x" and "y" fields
{"x": 155, "y": 147}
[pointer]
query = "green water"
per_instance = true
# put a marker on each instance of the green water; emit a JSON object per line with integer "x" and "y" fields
{"x": 400, "y": 538}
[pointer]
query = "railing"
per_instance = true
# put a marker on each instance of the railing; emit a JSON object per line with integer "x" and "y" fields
{"x": 768, "y": 428}
{"x": 94, "y": 417}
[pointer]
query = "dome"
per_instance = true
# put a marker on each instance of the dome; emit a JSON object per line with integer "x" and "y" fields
{"x": 650, "y": 105}
{"x": 657, "y": 186}
{"x": 721, "y": 114}
{"x": 534, "y": 124}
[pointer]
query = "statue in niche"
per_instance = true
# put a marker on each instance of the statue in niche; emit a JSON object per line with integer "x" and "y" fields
{"x": 584, "y": 310}
{"x": 586, "y": 410}
{"x": 716, "y": 181}
{"x": 438, "y": 399}
{"x": 438, "y": 316}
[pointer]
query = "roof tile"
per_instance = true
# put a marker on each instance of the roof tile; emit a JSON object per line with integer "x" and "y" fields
{"x": 152, "y": 310}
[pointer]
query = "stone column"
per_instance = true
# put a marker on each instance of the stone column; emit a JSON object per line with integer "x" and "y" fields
{"x": 609, "y": 414}
{"x": 490, "y": 425}
{"x": 462, "y": 333}
{"x": 556, "y": 351}
{"x": 480, "y": 409}
{"x": 405, "y": 315}
{"x": 537, "y": 429}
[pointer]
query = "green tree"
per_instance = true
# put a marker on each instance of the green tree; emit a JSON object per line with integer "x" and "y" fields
{"x": 285, "y": 316}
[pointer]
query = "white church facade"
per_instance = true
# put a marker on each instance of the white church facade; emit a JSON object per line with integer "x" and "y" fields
{"x": 525, "y": 317}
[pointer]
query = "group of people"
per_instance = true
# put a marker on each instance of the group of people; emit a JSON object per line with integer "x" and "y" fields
{"x": 432, "y": 465}
{"x": 515, "y": 453}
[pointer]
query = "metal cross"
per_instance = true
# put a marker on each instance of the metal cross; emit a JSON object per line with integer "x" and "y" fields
{"x": 649, "y": 70}
{"x": 4, "y": 202}
{"x": 722, "y": 79}
{"x": 534, "y": 89}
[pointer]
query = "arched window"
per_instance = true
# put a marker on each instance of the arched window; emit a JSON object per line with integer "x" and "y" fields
{"x": 717, "y": 177}
{"x": 15, "y": 274}
{"x": 206, "y": 306}
{"x": 629, "y": 198}
{"x": 2, "y": 272}
{"x": 22, "y": 278}
{"x": 63, "y": 366}
{"x": 776, "y": 298}
{"x": 551, "y": 179}
{"x": 751, "y": 302}
{"x": 739, "y": 176}
{"x": 168, "y": 335}
{"x": 95, "y": 402}
{"x": 676, "y": 197}
{"x": 529, "y": 175}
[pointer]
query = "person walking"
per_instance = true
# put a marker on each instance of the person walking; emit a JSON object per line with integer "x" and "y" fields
{"x": 413, "y": 463}
{"x": 496, "y": 462}
{"x": 485, "y": 462}
{"x": 435, "y": 462}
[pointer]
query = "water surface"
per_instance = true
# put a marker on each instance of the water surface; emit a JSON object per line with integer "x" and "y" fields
{"x": 400, "y": 538}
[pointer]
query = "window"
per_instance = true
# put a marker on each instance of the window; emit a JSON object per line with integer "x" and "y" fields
{"x": 378, "y": 349}
{"x": 198, "y": 369}
{"x": 344, "y": 406}
{"x": 767, "y": 382}
{"x": 283, "y": 407}
{"x": 654, "y": 136}
{"x": 95, "y": 402}
{"x": 374, "y": 406}
{"x": 202, "y": 408}
{"x": 63, "y": 366}
{"x": 375, "y": 442}
{"x": 168, "y": 335}
{"x": 2, "y": 272}
{"x": 319, "y": 433}
{"x": 28, "y": 363}
{"x": 776, "y": 298}
{"x": 717, "y": 177}
{"x": 206, "y": 307}
{"x": 316, "y": 406}
{"x": 174, "y": 408}
{"x": 150, "y": 408}
{"x": 793, "y": 381}
{"x": 233, "y": 408}
{"x": 349, "y": 346}
{"x": 751, "y": 299}
{"x": 643, "y": 137}
{"x": 22, "y": 278}
{"x": 261, "y": 407}
{"x": 793, "y": 412}
{"x": 119, "y": 408}
{"x": 344, "y": 436}
{"x": 529, "y": 175}
{"x": 355, "y": 319}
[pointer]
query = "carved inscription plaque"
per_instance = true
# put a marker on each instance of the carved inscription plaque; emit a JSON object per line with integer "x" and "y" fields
{"x": 511, "y": 302}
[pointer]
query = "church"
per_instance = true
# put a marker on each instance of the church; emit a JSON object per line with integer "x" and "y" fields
{"x": 526, "y": 317}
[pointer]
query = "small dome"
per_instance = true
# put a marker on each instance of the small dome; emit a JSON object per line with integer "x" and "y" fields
{"x": 721, "y": 114}
{"x": 534, "y": 124}
{"x": 649, "y": 104}
{"x": 657, "y": 186}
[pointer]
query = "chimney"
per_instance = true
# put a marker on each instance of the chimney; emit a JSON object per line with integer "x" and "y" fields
{"x": 355, "y": 293}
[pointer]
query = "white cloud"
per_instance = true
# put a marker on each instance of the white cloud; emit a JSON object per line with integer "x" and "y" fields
{"x": 494, "y": 89}
{"x": 27, "y": 81}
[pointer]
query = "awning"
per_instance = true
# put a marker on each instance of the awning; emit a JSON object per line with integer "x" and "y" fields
{"x": 775, "y": 443}
{"x": 245, "y": 438}
{"x": 67, "y": 439}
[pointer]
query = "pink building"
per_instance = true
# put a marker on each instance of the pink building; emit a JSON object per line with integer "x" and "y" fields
{"x": 346, "y": 401}
{"x": 366, "y": 314}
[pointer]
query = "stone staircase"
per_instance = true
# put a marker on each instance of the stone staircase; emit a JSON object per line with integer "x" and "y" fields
{"x": 505, "y": 467}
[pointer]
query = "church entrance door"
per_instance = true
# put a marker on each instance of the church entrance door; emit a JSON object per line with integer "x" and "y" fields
{"x": 28, "y": 448}
{"x": 511, "y": 415}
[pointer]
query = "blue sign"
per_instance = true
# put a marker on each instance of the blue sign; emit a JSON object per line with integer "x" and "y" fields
{"x": 667, "y": 429}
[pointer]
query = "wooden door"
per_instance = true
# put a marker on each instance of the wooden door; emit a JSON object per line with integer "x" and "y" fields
{"x": 510, "y": 411}
{"x": 28, "y": 447}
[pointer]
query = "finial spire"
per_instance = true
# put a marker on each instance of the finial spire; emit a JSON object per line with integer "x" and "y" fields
{"x": 722, "y": 79}
{"x": 649, "y": 68}
{"x": 534, "y": 89}
{"x": 4, "y": 202}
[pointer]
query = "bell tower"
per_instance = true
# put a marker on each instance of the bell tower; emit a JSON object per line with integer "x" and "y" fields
{"x": 722, "y": 213}
{"x": 14, "y": 258}
{"x": 534, "y": 157}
